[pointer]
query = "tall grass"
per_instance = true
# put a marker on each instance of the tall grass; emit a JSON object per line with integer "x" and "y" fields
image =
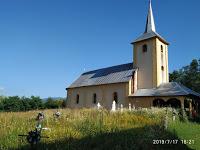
{"x": 187, "y": 131}
{"x": 86, "y": 129}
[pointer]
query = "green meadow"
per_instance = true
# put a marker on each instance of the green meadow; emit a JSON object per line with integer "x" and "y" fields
{"x": 89, "y": 129}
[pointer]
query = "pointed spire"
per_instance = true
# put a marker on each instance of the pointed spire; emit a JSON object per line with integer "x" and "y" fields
{"x": 150, "y": 25}
{"x": 150, "y": 30}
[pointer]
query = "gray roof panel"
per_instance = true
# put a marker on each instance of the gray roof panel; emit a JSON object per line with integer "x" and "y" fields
{"x": 166, "y": 89}
{"x": 149, "y": 35}
{"x": 114, "y": 74}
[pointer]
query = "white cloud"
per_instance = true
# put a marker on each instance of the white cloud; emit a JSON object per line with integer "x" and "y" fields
{"x": 2, "y": 90}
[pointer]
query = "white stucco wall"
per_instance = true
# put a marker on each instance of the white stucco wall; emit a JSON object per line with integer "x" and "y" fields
{"x": 143, "y": 60}
{"x": 104, "y": 95}
{"x": 162, "y": 76}
{"x": 149, "y": 63}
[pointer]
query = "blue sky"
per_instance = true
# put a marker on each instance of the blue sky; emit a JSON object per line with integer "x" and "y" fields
{"x": 46, "y": 44}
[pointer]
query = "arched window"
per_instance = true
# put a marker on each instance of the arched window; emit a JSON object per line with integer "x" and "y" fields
{"x": 132, "y": 82}
{"x": 161, "y": 47}
{"x": 77, "y": 98}
{"x": 94, "y": 98}
{"x": 144, "y": 48}
{"x": 174, "y": 103}
{"x": 162, "y": 68}
{"x": 159, "y": 103}
{"x": 162, "y": 63}
{"x": 115, "y": 97}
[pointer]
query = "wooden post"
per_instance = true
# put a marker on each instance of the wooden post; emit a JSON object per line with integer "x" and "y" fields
{"x": 197, "y": 107}
{"x": 190, "y": 108}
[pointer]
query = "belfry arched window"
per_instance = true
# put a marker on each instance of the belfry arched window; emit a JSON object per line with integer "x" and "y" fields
{"x": 144, "y": 48}
{"x": 162, "y": 55}
{"x": 161, "y": 48}
{"x": 162, "y": 63}
{"x": 162, "y": 68}
{"x": 115, "y": 97}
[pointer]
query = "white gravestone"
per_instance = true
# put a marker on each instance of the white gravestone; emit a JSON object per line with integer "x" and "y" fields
{"x": 133, "y": 107}
{"x": 114, "y": 106}
{"x": 121, "y": 107}
{"x": 173, "y": 115}
{"x": 98, "y": 105}
{"x": 129, "y": 106}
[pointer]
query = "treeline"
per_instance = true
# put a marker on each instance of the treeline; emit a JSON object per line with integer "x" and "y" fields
{"x": 16, "y": 103}
{"x": 188, "y": 75}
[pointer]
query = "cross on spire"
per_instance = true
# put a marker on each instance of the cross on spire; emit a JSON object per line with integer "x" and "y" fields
{"x": 150, "y": 25}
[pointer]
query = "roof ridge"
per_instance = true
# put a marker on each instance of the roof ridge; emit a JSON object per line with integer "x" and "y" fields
{"x": 181, "y": 87}
{"x": 191, "y": 90}
{"x": 107, "y": 67}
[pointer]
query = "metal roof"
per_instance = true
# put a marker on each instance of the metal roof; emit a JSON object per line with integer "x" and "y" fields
{"x": 114, "y": 74}
{"x": 150, "y": 25}
{"x": 149, "y": 35}
{"x": 166, "y": 89}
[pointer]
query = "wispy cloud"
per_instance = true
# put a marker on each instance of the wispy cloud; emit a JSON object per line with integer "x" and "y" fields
{"x": 2, "y": 90}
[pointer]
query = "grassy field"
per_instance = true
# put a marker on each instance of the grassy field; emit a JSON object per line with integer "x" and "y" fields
{"x": 88, "y": 129}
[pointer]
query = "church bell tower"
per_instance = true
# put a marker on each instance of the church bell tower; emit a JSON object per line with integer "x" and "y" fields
{"x": 150, "y": 56}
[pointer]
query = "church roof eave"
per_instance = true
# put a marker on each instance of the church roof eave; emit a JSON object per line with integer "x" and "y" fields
{"x": 150, "y": 35}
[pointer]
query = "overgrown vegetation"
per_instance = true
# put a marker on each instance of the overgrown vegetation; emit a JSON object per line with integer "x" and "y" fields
{"x": 16, "y": 103}
{"x": 188, "y": 75}
{"x": 88, "y": 129}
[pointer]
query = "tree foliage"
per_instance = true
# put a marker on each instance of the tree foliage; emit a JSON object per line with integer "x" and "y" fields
{"x": 50, "y": 103}
{"x": 16, "y": 103}
{"x": 188, "y": 75}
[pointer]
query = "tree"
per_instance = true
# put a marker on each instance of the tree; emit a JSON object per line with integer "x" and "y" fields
{"x": 36, "y": 102}
{"x": 188, "y": 75}
{"x": 12, "y": 103}
{"x": 57, "y": 103}
{"x": 26, "y": 104}
{"x": 16, "y": 103}
{"x": 174, "y": 76}
{"x": 1, "y": 103}
{"x": 50, "y": 103}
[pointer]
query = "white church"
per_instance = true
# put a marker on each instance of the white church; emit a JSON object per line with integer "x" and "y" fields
{"x": 143, "y": 83}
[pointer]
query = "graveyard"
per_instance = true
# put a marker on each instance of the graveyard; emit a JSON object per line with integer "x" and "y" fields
{"x": 98, "y": 128}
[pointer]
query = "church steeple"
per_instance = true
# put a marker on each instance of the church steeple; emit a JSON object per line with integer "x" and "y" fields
{"x": 150, "y": 25}
{"x": 150, "y": 29}
{"x": 150, "y": 56}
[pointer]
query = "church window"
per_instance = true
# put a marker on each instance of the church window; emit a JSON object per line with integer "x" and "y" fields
{"x": 161, "y": 47}
{"x": 144, "y": 48}
{"x": 162, "y": 56}
{"x": 77, "y": 98}
{"x": 132, "y": 82}
{"x": 162, "y": 63}
{"x": 115, "y": 97}
{"x": 94, "y": 98}
{"x": 162, "y": 68}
